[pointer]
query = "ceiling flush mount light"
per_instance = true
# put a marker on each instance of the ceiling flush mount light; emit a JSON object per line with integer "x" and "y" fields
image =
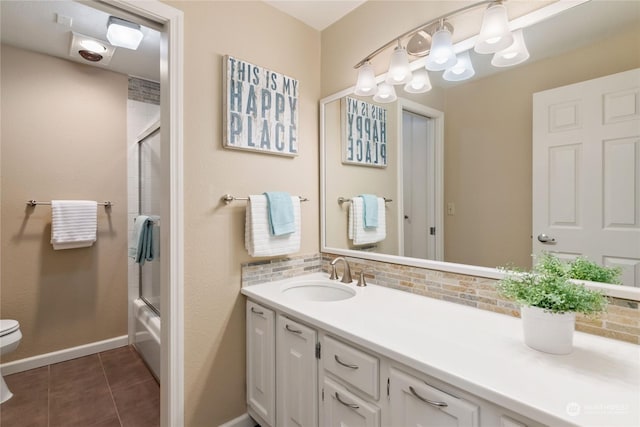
{"x": 494, "y": 32}
{"x": 399, "y": 71}
{"x": 420, "y": 82}
{"x": 85, "y": 48}
{"x": 386, "y": 93}
{"x": 441, "y": 55}
{"x": 366, "y": 85}
{"x": 123, "y": 33}
{"x": 514, "y": 54}
{"x": 463, "y": 69}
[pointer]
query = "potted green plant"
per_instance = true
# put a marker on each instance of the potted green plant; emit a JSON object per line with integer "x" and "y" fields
{"x": 549, "y": 301}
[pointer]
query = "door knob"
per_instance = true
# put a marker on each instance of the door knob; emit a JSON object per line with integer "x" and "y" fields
{"x": 543, "y": 238}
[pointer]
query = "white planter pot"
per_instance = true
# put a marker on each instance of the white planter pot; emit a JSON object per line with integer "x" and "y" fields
{"x": 548, "y": 332}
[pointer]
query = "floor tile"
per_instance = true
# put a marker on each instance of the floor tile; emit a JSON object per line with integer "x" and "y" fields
{"x": 124, "y": 367}
{"x": 79, "y": 394}
{"x": 29, "y": 405}
{"x": 139, "y": 404}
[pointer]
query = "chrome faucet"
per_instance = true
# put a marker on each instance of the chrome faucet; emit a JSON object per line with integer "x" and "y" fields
{"x": 346, "y": 276}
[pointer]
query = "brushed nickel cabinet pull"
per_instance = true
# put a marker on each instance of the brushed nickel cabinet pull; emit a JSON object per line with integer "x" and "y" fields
{"x": 347, "y": 404}
{"x": 348, "y": 365}
{"x": 430, "y": 402}
{"x": 295, "y": 331}
{"x": 253, "y": 310}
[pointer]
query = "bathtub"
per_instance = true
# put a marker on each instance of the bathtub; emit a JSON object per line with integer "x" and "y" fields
{"x": 147, "y": 335}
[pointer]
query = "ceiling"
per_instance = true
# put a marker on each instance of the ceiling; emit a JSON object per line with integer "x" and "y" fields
{"x": 318, "y": 14}
{"x": 33, "y": 25}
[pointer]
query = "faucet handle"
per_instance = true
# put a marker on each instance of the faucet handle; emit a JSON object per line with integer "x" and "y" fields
{"x": 334, "y": 274}
{"x": 361, "y": 280}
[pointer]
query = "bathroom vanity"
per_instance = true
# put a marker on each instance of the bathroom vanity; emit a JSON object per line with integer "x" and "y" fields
{"x": 323, "y": 353}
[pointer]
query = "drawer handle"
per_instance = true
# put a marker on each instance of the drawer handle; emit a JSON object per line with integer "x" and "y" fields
{"x": 348, "y": 365}
{"x": 295, "y": 331}
{"x": 347, "y": 404}
{"x": 253, "y": 310}
{"x": 430, "y": 402}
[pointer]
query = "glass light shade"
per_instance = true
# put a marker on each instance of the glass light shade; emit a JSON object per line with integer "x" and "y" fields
{"x": 386, "y": 93}
{"x": 463, "y": 69}
{"x": 441, "y": 55}
{"x": 514, "y": 54}
{"x": 366, "y": 85}
{"x": 494, "y": 32}
{"x": 93, "y": 46}
{"x": 399, "y": 71}
{"x": 419, "y": 83}
{"x": 123, "y": 33}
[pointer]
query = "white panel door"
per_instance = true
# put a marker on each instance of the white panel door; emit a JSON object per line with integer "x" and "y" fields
{"x": 344, "y": 409}
{"x": 586, "y": 172}
{"x": 418, "y": 186}
{"x": 413, "y": 403}
{"x": 297, "y": 374}
{"x": 261, "y": 362}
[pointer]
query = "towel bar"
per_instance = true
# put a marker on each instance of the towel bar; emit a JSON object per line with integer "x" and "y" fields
{"x": 106, "y": 204}
{"x": 342, "y": 200}
{"x": 228, "y": 198}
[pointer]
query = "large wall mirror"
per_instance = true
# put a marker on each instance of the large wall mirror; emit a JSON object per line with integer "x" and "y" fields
{"x": 461, "y": 200}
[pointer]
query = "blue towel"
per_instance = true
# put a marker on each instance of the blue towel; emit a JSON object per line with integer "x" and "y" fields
{"x": 370, "y": 203}
{"x": 281, "y": 218}
{"x": 143, "y": 240}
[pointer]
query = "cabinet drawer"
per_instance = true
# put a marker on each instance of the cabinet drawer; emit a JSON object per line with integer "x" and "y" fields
{"x": 352, "y": 365}
{"x": 341, "y": 408}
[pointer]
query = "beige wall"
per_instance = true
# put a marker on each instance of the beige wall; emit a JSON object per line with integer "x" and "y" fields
{"x": 214, "y": 332}
{"x": 63, "y": 137}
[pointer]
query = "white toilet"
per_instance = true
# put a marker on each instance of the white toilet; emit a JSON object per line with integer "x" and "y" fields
{"x": 10, "y": 337}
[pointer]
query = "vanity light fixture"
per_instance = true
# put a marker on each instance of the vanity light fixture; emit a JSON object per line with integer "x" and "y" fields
{"x": 442, "y": 55}
{"x": 399, "y": 71}
{"x": 494, "y": 33}
{"x": 366, "y": 85}
{"x": 420, "y": 82}
{"x": 463, "y": 69}
{"x": 123, "y": 33}
{"x": 386, "y": 93}
{"x": 514, "y": 54}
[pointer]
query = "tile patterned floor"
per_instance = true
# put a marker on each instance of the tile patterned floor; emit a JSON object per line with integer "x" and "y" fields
{"x": 110, "y": 389}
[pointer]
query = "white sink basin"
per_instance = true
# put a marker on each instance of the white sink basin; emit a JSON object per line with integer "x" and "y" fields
{"x": 318, "y": 290}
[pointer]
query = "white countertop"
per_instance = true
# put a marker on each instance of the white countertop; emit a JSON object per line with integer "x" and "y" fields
{"x": 481, "y": 352}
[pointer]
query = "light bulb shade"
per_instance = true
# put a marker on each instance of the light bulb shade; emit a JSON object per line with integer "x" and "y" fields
{"x": 366, "y": 85}
{"x": 419, "y": 83}
{"x": 399, "y": 71}
{"x": 514, "y": 54}
{"x": 494, "y": 32}
{"x": 123, "y": 33}
{"x": 441, "y": 55}
{"x": 463, "y": 69}
{"x": 386, "y": 93}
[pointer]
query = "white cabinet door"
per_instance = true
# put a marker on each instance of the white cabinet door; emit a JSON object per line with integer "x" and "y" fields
{"x": 297, "y": 374}
{"x": 414, "y": 403}
{"x": 261, "y": 368}
{"x": 341, "y": 408}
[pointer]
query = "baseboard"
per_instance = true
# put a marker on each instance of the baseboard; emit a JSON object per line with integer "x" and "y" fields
{"x": 242, "y": 421}
{"x": 62, "y": 355}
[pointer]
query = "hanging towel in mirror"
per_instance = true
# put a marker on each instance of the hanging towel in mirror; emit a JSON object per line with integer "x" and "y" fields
{"x": 74, "y": 223}
{"x": 257, "y": 235}
{"x": 357, "y": 231}
{"x": 281, "y": 217}
{"x": 370, "y": 214}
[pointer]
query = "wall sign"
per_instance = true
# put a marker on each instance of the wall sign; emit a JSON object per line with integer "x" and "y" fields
{"x": 364, "y": 127}
{"x": 260, "y": 109}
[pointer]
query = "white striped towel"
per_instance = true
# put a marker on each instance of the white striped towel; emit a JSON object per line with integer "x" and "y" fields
{"x": 257, "y": 236}
{"x": 357, "y": 232}
{"x": 74, "y": 223}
